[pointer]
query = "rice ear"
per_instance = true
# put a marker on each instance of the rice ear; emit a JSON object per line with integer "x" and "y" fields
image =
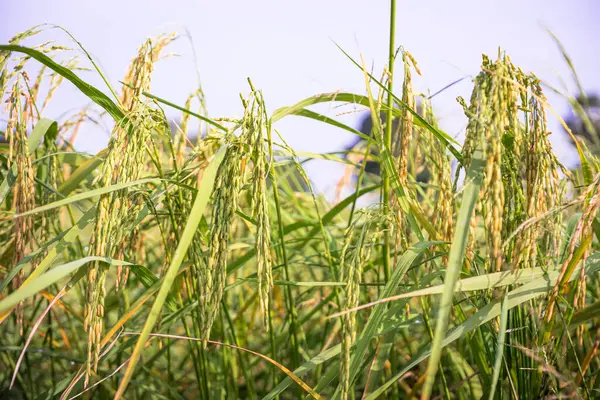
{"x": 117, "y": 210}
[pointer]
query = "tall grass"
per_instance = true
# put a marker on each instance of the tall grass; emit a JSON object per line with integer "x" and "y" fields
{"x": 163, "y": 267}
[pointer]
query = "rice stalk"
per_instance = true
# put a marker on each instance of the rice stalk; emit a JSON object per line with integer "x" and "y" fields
{"x": 499, "y": 97}
{"x": 50, "y": 222}
{"x": 355, "y": 254}
{"x": 401, "y": 144}
{"x": 543, "y": 189}
{"x": 124, "y": 163}
{"x": 438, "y": 162}
{"x": 404, "y": 138}
{"x": 254, "y": 127}
{"x": 475, "y": 112}
{"x": 19, "y": 105}
{"x": 582, "y": 235}
{"x": 226, "y": 190}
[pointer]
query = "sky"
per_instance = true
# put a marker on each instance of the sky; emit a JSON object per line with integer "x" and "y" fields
{"x": 289, "y": 51}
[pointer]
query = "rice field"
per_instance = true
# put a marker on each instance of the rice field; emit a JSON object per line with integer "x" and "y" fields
{"x": 175, "y": 266}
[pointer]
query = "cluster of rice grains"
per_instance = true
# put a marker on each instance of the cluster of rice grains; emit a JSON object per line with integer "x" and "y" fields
{"x": 212, "y": 281}
{"x": 23, "y": 113}
{"x": 255, "y": 126}
{"x": 248, "y": 148}
{"x": 521, "y": 195}
{"x": 401, "y": 146}
{"x": 24, "y": 198}
{"x": 514, "y": 150}
{"x": 440, "y": 170}
{"x": 116, "y": 211}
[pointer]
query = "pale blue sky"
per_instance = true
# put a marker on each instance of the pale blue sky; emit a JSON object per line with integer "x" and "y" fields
{"x": 287, "y": 49}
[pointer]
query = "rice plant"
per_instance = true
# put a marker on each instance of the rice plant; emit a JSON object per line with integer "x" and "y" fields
{"x": 166, "y": 266}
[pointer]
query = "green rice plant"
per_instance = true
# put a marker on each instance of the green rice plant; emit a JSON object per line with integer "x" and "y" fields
{"x": 19, "y": 156}
{"x": 227, "y": 186}
{"x": 124, "y": 163}
{"x": 184, "y": 264}
{"x": 355, "y": 254}
{"x": 255, "y": 126}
